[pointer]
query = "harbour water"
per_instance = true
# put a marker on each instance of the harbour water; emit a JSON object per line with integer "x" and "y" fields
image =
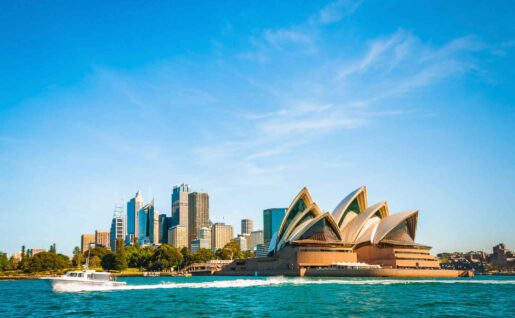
{"x": 267, "y": 297}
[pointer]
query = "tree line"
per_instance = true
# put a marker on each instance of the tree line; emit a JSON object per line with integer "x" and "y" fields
{"x": 161, "y": 258}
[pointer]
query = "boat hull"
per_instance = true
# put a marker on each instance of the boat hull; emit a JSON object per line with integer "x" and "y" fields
{"x": 69, "y": 285}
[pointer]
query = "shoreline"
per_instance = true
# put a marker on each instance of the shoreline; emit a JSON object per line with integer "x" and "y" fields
{"x": 4, "y": 278}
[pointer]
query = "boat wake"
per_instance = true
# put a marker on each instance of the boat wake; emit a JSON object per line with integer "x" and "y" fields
{"x": 278, "y": 281}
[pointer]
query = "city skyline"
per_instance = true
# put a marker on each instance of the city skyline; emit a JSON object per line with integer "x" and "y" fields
{"x": 253, "y": 104}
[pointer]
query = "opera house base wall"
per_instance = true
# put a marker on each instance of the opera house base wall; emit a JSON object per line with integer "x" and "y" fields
{"x": 397, "y": 257}
{"x": 388, "y": 272}
{"x": 319, "y": 261}
{"x": 270, "y": 266}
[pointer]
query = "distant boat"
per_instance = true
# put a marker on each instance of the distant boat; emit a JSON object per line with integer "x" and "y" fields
{"x": 83, "y": 280}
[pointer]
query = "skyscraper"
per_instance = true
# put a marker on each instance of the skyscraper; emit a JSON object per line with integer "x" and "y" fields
{"x": 256, "y": 237}
{"x": 102, "y": 238}
{"x": 221, "y": 234}
{"x": 178, "y": 236}
{"x": 117, "y": 227}
{"x": 148, "y": 224}
{"x": 85, "y": 241}
{"x": 242, "y": 241}
{"x": 198, "y": 214}
{"x": 204, "y": 240}
{"x": 133, "y": 206}
{"x": 246, "y": 226}
{"x": 180, "y": 205}
{"x": 165, "y": 223}
{"x": 272, "y": 219}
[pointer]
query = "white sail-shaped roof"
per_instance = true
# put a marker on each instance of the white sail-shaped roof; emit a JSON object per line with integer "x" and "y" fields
{"x": 298, "y": 205}
{"x": 368, "y": 217}
{"x": 323, "y": 217}
{"x": 309, "y": 213}
{"x": 391, "y": 222}
{"x": 360, "y": 195}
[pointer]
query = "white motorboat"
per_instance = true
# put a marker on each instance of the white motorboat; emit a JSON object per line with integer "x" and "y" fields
{"x": 83, "y": 281}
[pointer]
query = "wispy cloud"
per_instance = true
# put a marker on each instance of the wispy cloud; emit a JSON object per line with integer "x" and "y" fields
{"x": 281, "y": 36}
{"x": 335, "y": 11}
{"x": 302, "y": 35}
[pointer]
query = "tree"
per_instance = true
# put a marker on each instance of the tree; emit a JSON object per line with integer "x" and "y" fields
{"x": 145, "y": 254}
{"x": 120, "y": 260}
{"x": 94, "y": 261}
{"x": 203, "y": 255}
{"x": 97, "y": 251}
{"x": 165, "y": 257}
{"x": 4, "y": 262}
{"x": 187, "y": 258}
{"x": 230, "y": 251}
{"x": 108, "y": 261}
{"x": 132, "y": 256}
{"x": 52, "y": 248}
{"x": 13, "y": 263}
{"x": 77, "y": 259}
{"x": 46, "y": 261}
{"x": 223, "y": 253}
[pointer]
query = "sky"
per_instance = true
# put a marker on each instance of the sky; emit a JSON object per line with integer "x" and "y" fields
{"x": 252, "y": 100}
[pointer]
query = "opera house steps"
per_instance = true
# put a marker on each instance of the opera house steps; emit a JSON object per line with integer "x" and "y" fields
{"x": 354, "y": 240}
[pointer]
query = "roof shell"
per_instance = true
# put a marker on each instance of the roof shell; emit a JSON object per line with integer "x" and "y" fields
{"x": 353, "y": 228}
{"x": 344, "y": 204}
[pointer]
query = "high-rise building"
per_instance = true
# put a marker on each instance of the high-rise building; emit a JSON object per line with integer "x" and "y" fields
{"x": 246, "y": 226}
{"x": 205, "y": 233}
{"x": 242, "y": 241}
{"x": 117, "y": 227}
{"x": 272, "y": 219}
{"x": 148, "y": 225}
{"x": 198, "y": 214}
{"x": 133, "y": 206}
{"x": 180, "y": 205}
{"x": 165, "y": 223}
{"x": 178, "y": 236}
{"x": 256, "y": 237}
{"x": 221, "y": 234}
{"x": 200, "y": 243}
{"x": 102, "y": 238}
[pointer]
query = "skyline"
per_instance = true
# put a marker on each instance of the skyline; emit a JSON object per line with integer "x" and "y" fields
{"x": 253, "y": 104}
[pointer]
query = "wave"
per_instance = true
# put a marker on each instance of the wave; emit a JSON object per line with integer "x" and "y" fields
{"x": 278, "y": 281}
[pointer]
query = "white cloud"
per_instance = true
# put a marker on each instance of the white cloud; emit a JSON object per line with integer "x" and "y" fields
{"x": 336, "y": 11}
{"x": 280, "y": 36}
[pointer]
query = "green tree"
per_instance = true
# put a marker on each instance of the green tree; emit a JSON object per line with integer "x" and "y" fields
{"x": 230, "y": 251}
{"x": 99, "y": 252}
{"x": 165, "y": 257}
{"x": 132, "y": 256}
{"x": 120, "y": 259}
{"x": 145, "y": 255}
{"x": 203, "y": 255}
{"x": 94, "y": 261}
{"x": 13, "y": 263}
{"x": 47, "y": 261}
{"x": 108, "y": 261}
{"x": 187, "y": 257}
{"x": 77, "y": 259}
{"x": 223, "y": 253}
{"x": 4, "y": 263}
{"x": 52, "y": 248}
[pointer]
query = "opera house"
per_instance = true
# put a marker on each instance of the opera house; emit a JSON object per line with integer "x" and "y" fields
{"x": 356, "y": 239}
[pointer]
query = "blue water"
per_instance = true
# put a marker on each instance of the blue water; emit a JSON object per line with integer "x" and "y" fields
{"x": 268, "y": 297}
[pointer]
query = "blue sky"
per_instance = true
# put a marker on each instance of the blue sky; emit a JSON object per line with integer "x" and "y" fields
{"x": 251, "y": 101}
